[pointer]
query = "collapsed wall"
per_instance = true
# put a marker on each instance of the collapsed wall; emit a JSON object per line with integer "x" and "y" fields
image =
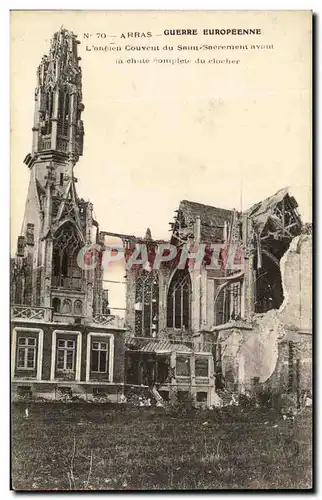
{"x": 259, "y": 352}
{"x": 277, "y": 351}
{"x": 296, "y": 271}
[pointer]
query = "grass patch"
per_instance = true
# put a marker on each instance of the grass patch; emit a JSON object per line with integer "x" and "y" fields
{"x": 106, "y": 447}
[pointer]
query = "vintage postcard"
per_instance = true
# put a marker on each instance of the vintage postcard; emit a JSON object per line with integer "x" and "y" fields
{"x": 161, "y": 250}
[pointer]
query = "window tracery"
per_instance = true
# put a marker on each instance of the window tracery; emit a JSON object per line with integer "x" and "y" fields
{"x": 179, "y": 301}
{"x": 147, "y": 303}
{"x": 66, "y": 271}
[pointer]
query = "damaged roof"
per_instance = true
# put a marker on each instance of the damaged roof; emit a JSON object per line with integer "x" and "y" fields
{"x": 212, "y": 219}
{"x": 153, "y": 346}
{"x": 267, "y": 204}
{"x": 260, "y": 212}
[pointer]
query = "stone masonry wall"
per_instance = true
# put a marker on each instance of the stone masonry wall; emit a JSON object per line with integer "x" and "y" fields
{"x": 263, "y": 353}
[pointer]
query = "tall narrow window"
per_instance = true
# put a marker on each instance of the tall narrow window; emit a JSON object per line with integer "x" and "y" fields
{"x": 217, "y": 353}
{"x": 47, "y": 113}
{"x": 24, "y": 391}
{"x": 78, "y": 307}
{"x": 183, "y": 366}
{"x": 179, "y": 298}
{"x": 63, "y": 114}
{"x": 56, "y": 304}
{"x": 66, "y": 271}
{"x": 147, "y": 304}
{"x": 67, "y": 306}
{"x": 30, "y": 234}
{"x": 99, "y": 357}
{"x": 65, "y": 355}
{"x": 269, "y": 289}
{"x": 228, "y": 304}
{"x": 26, "y": 355}
{"x": 290, "y": 366}
{"x": 235, "y": 300}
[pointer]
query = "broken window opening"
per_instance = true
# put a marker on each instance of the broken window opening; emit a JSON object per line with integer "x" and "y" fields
{"x": 56, "y": 304}
{"x": 291, "y": 377}
{"x": 217, "y": 357}
{"x": 24, "y": 391}
{"x": 78, "y": 307}
{"x": 183, "y": 366}
{"x": 63, "y": 113}
{"x": 202, "y": 366}
{"x": 47, "y": 113}
{"x": 179, "y": 301}
{"x": 66, "y": 271}
{"x": 268, "y": 288}
{"x": 30, "y": 234}
{"x": 66, "y": 307}
{"x": 228, "y": 304}
{"x": 147, "y": 304}
{"x": 146, "y": 370}
{"x": 162, "y": 369}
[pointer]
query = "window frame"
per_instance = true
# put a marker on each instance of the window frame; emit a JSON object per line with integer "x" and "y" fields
{"x": 184, "y": 355}
{"x": 26, "y": 347}
{"x": 40, "y": 341}
{"x": 78, "y": 302}
{"x": 56, "y": 305}
{"x": 206, "y": 357}
{"x": 99, "y": 350}
{"x": 205, "y": 396}
{"x": 24, "y": 391}
{"x": 179, "y": 285}
{"x": 231, "y": 306}
{"x": 110, "y": 342}
{"x": 235, "y": 291}
{"x": 147, "y": 288}
{"x": 78, "y": 353}
{"x": 66, "y": 246}
{"x": 65, "y": 349}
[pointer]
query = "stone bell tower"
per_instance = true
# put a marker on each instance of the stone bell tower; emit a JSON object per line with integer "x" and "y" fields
{"x": 57, "y": 223}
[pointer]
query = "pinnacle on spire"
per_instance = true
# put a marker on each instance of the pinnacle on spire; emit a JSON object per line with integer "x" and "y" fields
{"x": 58, "y": 127}
{"x": 61, "y": 66}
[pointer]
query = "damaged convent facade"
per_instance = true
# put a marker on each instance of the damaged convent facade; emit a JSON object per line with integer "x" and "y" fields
{"x": 202, "y": 329}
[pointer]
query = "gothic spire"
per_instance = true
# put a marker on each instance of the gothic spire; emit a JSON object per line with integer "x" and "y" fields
{"x": 58, "y": 129}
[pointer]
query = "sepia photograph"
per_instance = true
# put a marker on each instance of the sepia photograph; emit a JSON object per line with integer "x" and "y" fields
{"x": 161, "y": 250}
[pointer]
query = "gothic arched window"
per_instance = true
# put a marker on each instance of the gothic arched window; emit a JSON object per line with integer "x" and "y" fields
{"x": 179, "y": 301}
{"x": 78, "y": 307}
{"x": 269, "y": 289}
{"x": 67, "y": 306}
{"x": 147, "y": 304}
{"x": 47, "y": 113}
{"x": 66, "y": 271}
{"x": 56, "y": 304}
{"x": 228, "y": 304}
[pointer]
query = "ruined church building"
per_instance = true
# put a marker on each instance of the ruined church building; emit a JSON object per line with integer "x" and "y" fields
{"x": 195, "y": 332}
